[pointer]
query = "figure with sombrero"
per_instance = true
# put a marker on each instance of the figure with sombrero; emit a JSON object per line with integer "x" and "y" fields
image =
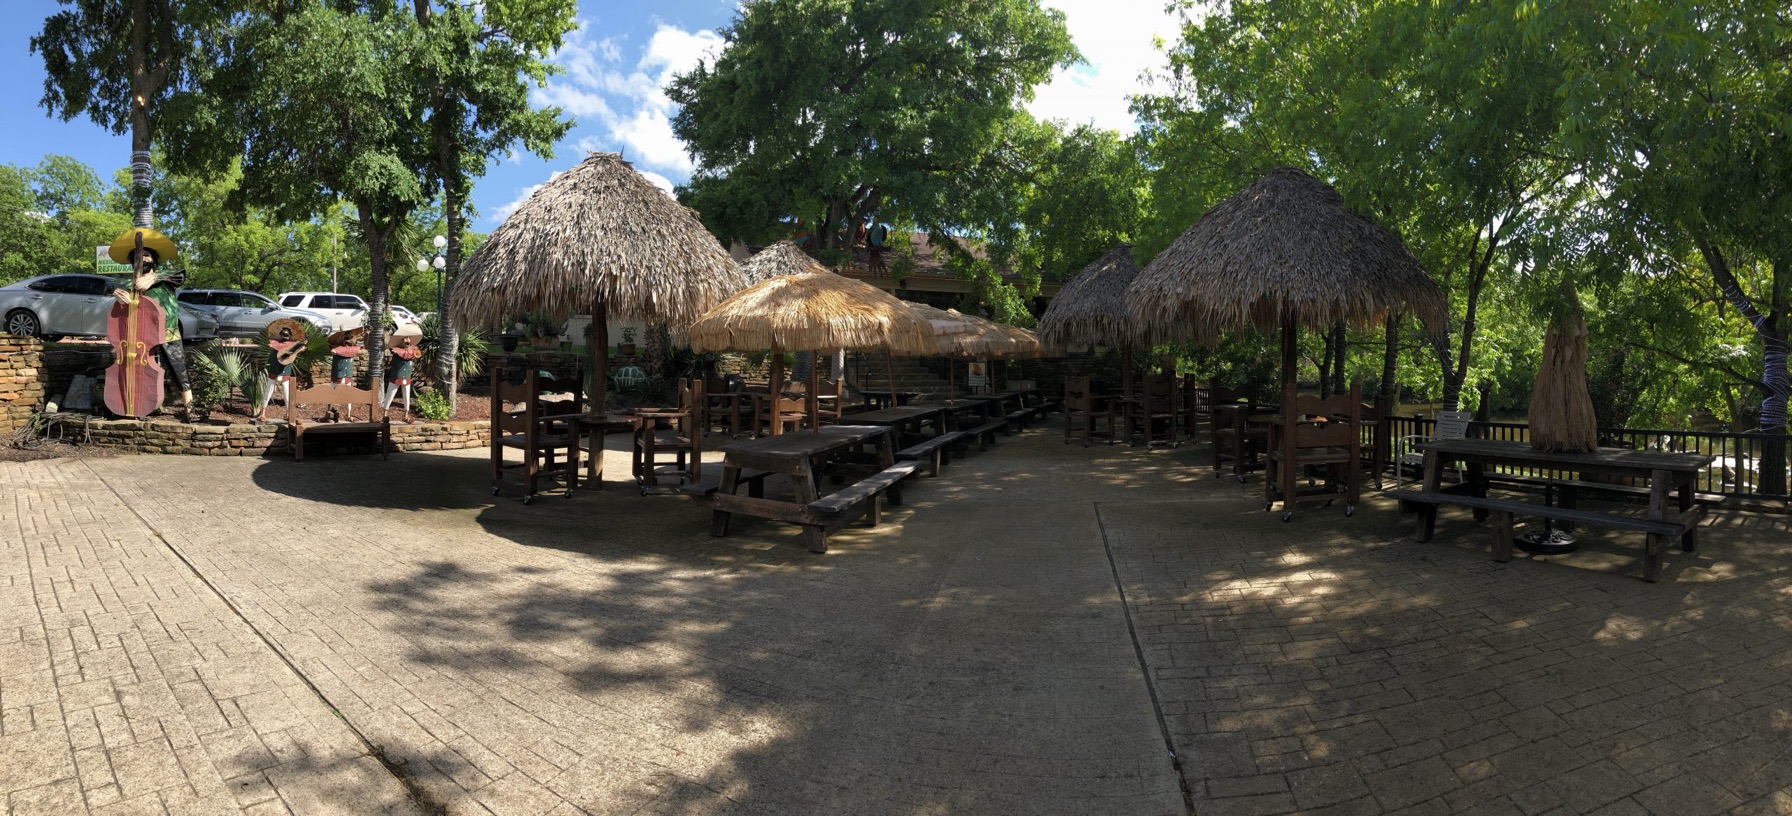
{"x": 163, "y": 287}
{"x": 286, "y": 341}
{"x": 345, "y": 346}
{"x": 402, "y": 344}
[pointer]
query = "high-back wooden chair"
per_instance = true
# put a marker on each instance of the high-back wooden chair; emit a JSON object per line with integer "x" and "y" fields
{"x": 1235, "y": 439}
{"x": 1083, "y": 408}
{"x": 669, "y": 442}
{"x": 546, "y": 434}
{"x": 1156, "y": 414}
{"x": 833, "y": 404}
{"x": 1317, "y": 432}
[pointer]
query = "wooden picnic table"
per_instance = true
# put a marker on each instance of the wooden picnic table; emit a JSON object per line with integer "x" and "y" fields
{"x": 906, "y": 419}
{"x": 876, "y": 398}
{"x": 1664, "y": 473}
{"x": 801, "y": 456}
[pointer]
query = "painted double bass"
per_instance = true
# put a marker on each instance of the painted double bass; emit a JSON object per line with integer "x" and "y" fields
{"x": 134, "y": 380}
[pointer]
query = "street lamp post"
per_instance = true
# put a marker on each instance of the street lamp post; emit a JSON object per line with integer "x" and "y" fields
{"x": 440, "y": 263}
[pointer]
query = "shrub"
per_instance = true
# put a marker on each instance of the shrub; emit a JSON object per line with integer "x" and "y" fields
{"x": 430, "y": 403}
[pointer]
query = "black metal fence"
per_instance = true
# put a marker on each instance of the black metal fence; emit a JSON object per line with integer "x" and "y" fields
{"x": 1735, "y": 468}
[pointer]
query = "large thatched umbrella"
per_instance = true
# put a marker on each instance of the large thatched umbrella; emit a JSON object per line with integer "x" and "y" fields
{"x": 960, "y": 335}
{"x": 1283, "y": 252}
{"x": 809, "y": 309}
{"x": 601, "y": 237}
{"x": 1091, "y": 310}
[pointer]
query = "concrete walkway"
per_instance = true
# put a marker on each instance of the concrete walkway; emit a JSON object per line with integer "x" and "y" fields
{"x": 1043, "y": 629}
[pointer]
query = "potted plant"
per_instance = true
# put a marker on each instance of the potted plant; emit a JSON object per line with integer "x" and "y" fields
{"x": 512, "y": 335}
{"x": 545, "y": 332}
{"x": 627, "y": 347}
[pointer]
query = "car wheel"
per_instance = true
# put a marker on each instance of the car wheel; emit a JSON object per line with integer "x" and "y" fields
{"x": 22, "y": 323}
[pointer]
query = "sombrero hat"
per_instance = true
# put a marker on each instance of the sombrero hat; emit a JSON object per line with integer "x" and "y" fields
{"x": 120, "y": 250}
{"x": 297, "y": 327}
{"x": 407, "y": 330}
{"x": 347, "y": 336}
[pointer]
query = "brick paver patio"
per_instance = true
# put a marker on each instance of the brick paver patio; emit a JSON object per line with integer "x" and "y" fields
{"x": 1034, "y": 632}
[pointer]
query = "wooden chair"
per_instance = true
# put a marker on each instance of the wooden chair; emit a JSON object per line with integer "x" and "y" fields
{"x": 546, "y": 434}
{"x": 675, "y": 433}
{"x": 832, "y": 406}
{"x": 1082, "y": 408}
{"x": 788, "y": 412}
{"x": 730, "y": 408}
{"x": 1234, "y": 439}
{"x": 1317, "y": 433}
{"x": 1155, "y": 415}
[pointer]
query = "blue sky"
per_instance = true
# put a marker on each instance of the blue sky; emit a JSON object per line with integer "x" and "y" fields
{"x": 616, "y": 63}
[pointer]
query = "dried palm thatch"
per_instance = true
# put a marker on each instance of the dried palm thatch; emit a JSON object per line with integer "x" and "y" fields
{"x": 1561, "y": 409}
{"x": 599, "y": 233}
{"x": 815, "y": 309}
{"x": 1091, "y": 308}
{"x": 1283, "y": 251}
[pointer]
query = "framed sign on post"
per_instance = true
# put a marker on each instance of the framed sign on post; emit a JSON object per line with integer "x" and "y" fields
{"x": 978, "y": 376}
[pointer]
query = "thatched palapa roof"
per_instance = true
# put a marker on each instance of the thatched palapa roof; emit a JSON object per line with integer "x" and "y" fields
{"x": 959, "y": 334}
{"x": 1285, "y": 248}
{"x": 1091, "y": 308}
{"x": 809, "y": 308}
{"x": 598, "y": 233}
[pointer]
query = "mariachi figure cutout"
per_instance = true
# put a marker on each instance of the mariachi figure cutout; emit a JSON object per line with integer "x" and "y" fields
{"x": 345, "y": 346}
{"x": 404, "y": 348}
{"x": 286, "y": 341}
{"x": 143, "y": 328}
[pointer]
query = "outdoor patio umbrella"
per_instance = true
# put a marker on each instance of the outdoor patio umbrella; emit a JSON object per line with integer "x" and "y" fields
{"x": 809, "y": 309}
{"x": 599, "y": 236}
{"x": 1283, "y": 252}
{"x": 1091, "y": 310}
{"x": 960, "y": 335}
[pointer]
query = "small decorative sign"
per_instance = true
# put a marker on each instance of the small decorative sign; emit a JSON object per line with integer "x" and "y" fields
{"x": 979, "y": 375}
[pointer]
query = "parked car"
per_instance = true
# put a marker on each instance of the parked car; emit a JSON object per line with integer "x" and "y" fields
{"x": 52, "y": 307}
{"x": 246, "y": 314}
{"x": 344, "y": 311}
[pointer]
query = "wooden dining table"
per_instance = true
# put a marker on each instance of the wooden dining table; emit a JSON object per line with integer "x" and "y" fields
{"x": 907, "y": 420}
{"x": 801, "y": 457}
{"x": 1234, "y": 418}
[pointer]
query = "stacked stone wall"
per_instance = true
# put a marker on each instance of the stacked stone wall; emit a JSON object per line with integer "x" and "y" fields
{"x": 22, "y": 382}
{"x": 159, "y": 435}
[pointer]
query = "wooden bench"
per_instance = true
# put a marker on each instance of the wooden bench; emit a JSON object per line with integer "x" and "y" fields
{"x": 985, "y": 434}
{"x": 1045, "y": 407}
{"x": 1017, "y": 419}
{"x": 933, "y": 450}
{"x": 753, "y": 479}
{"x": 841, "y": 503}
{"x": 1502, "y": 512}
{"x": 380, "y": 426}
{"x": 1628, "y": 490}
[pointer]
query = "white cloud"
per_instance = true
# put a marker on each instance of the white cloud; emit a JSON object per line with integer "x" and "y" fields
{"x": 1116, "y": 38}
{"x": 502, "y": 213}
{"x": 658, "y": 180}
{"x": 626, "y": 108}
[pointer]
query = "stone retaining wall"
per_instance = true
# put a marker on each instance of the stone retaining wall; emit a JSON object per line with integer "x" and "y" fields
{"x": 157, "y": 435}
{"x": 22, "y": 381}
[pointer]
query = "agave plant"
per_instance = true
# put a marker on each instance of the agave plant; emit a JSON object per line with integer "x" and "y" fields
{"x": 469, "y": 355}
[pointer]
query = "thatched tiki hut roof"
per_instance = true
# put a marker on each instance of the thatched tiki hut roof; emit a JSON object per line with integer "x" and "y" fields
{"x": 598, "y": 233}
{"x": 1285, "y": 251}
{"x": 1091, "y": 308}
{"x": 598, "y": 237}
{"x": 810, "y": 309}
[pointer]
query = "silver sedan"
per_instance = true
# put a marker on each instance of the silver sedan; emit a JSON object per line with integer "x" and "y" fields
{"x": 244, "y": 314}
{"x": 52, "y": 307}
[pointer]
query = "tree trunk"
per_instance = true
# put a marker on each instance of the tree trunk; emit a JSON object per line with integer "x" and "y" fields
{"x": 448, "y": 366}
{"x": 377, "y": 238}
{"x": 1775, "y": 329}
{"x": 142, "y": 209}
{"x": 1340, "y": 352}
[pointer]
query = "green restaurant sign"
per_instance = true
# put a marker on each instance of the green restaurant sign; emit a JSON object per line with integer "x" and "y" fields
{"x": 105, "y": 265}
